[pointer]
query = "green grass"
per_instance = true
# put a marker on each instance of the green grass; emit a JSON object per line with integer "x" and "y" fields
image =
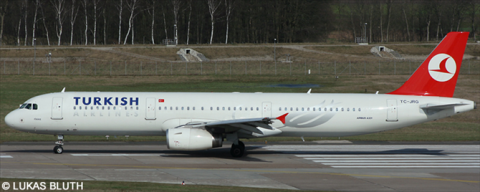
{"x": 15, "y": 89}
{"x": 112, "y": 186}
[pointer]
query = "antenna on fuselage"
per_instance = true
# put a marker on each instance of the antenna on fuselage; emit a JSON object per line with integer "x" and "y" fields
{"x": 310, "y": 90}
{"x": 63, "y": 90}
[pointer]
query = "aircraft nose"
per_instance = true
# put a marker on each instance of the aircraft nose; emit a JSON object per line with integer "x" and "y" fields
{"x": 10, "y": 119}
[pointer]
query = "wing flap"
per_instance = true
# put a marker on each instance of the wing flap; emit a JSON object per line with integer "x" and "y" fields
{"x": 440, "y": 106}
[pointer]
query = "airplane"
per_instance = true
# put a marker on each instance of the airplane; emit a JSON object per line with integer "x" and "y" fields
{"x": 201, "y": 121}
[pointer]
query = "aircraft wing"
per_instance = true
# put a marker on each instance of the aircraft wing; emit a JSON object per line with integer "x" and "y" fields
{"x": 253, "y": 125}
{"x": 440, "y": 106}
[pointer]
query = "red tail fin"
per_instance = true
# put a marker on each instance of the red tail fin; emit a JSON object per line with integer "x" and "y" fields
{"x": 437, "y": 76}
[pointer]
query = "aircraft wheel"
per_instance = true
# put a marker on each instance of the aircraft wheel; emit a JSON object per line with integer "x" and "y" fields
{"x": 58, "y": 149}
{"x": 55, "y": 149}
{"x": 237, "y": 150}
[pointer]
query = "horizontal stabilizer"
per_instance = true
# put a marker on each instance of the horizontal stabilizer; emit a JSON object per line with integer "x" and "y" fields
{"x": 440, "y": 106}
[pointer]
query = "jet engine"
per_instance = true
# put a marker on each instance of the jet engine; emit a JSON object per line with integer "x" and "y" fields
{"x": 191, "y": 139}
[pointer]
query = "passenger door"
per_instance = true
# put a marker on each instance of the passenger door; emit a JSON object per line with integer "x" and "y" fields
{"x": 392, "y": 111}
{"x": 57, "y": 103}
{"x": 150, "y": 109}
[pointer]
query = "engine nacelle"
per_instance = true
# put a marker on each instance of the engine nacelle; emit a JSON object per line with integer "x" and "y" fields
{"x": 191, "y": 139}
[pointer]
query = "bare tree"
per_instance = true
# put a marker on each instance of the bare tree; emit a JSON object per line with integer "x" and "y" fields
{"x": 176, "y": 8}
{"x": 212, "y": 7}
{"x": 228, "y": 11}
{"x": 381, "y": 22}
{"x": 73, "y": 17}
{"x": 37, "y": 3}
{"x": 120, "y": 9}
{"x": 389, "y": 5}
{"x": 95, "y": 8}
{"x": 189, "y": 17}
{"x": 152, "y": 13}
{"x": 85, "y": 4}
{"x": 406, "y": 22}
{"x": 104, "y": 26}
{"x": 18, "y": 30}
{"x": 59, "y": 15}
{"x": 3, "y": 10}
{"x": 132, "y": 5}
{"x": 165, "y": 24}
{"x": 25, "y": 14}
{"x": 45, "y": 25}
{"x": 474, "y": 11}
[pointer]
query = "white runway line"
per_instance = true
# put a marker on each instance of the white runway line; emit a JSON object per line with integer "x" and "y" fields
{"x": 116, "y": 155}
{"x": 6, "y": 156}
{"x": 406, "y": 167}
{"x": 396, "y": 160}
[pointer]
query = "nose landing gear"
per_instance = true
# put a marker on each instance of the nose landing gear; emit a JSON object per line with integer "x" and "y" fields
{"x": 58, "y": 149}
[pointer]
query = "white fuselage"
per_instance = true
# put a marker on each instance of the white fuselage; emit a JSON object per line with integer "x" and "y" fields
{"x": 142, "y": 113}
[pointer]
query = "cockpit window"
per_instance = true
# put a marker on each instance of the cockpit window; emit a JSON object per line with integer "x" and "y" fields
{"x": 35, "y": 106}
{"x": 29, "y": 106}
{"x": 23, "y": 106}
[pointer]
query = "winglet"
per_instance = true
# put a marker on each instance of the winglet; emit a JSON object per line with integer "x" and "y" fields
{"x": 282, "y": 118}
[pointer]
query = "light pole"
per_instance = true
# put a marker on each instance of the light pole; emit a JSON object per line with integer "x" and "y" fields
{"x": 275, "y": 54}
{"x": 34, "y": 53}
{"x": 365, "y": 33}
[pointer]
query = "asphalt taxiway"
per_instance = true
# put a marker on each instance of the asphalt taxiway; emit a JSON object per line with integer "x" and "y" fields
{"x": 305, "y": 166}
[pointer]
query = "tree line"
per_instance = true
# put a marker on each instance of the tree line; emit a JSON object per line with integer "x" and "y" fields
{"x": 93, "y": 22}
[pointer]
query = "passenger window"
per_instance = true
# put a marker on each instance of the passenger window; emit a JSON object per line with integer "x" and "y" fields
{"x": 297, "y": 108}
{"x": 285, "y": 109}
{"x": 165, "y": 108}
{"x": 74, "y": 108}
{"x": 359, "y": 109}
{"x": 325, "y": 109}
{"x": 182, "y": 108}
{"x": 257, "y": 108}
{"x": 80, "y": 107}
{"x": 348, "y": 109}
{"x": 176, "y": 108}
{"x": 223, "y": 108}
{"x": 211, "y": 108}
{"x": 246, "y": 108}
{"x": 319, "y": 109}
{"x": 218, "y": 108}
{"x": 342, "y": 108}
{"x": 188, "y": 108}
{"x": 99, "y": 107}
{"x": 331, "y": 109}
{"x": 313, "y": 109}
{"x": 91, "y": 107}
{"x": 336, "y": 109}
{"x": 35, "y": 106}
{"x": 103, "y": 108}
{"x": 159, "y": 108}
{"x": 240, "y": 108}
{"x": 251, "y": 108}
{"x": 280, "y": 109}
{"x": 353, "y": 109}
{"x": 107, "y": 107}
{"x": 229, "y": 108}
{"x": 291, "y": 108}
{"x": 137, "y": 108}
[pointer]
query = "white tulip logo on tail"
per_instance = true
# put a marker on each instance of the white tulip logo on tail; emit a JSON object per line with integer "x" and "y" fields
{"x": 442, "y": 67}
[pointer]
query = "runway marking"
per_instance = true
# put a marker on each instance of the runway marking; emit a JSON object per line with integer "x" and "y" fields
{"x": 397, "y": 161}
{"x": 6, "y": 156}
{"x": 246, "y": 170}
{"x": 116, "y": 155}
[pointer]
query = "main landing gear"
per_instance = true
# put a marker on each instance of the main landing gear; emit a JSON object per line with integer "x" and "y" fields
{"x": 58, "y": 149}
{"x": 238, "y": 149}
